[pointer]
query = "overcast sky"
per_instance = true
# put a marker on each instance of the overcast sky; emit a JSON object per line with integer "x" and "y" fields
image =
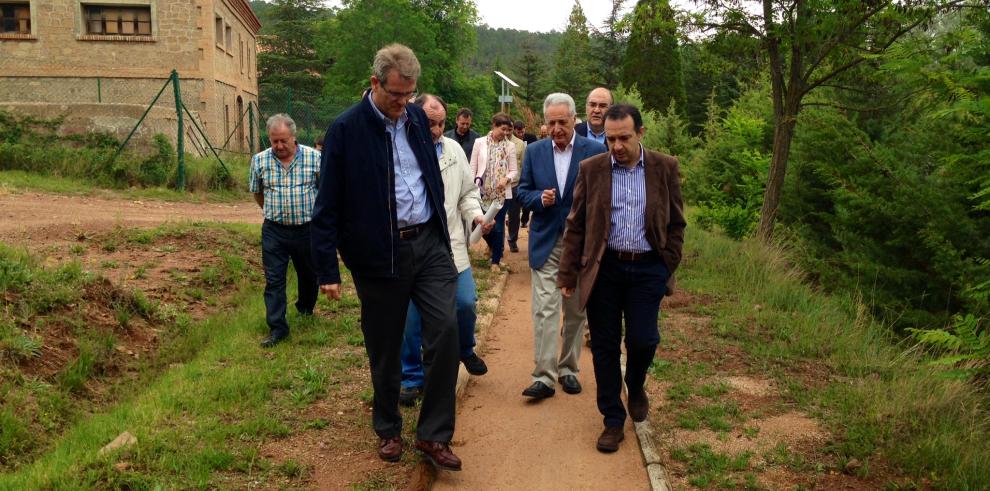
{"x": 541, "y": 15}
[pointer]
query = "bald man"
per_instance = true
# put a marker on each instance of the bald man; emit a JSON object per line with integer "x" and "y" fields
{"x": 462, "y": 205}
{"x": 598, "y": 101}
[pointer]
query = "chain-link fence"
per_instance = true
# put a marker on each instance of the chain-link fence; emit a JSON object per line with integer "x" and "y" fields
{"x": 312, "y": 114}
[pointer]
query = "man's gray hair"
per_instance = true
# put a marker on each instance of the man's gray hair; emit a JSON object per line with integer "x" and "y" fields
{"x": 558, "y": 98}
{"x": 395, "y": 57}
{"x": 281, "y": 119}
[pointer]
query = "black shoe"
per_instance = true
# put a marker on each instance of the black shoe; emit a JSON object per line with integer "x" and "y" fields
{"x": 408, "y": 395}
{"x": 273, "y": 339}
{"x": 538, "y": 390}
{"x": 570, "y": 384}
{"x": 513, "y": 247}
{"x": 475, "y": 365}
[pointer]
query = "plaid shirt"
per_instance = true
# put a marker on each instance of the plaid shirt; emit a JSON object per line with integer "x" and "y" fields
{"x": 289, "y": 194}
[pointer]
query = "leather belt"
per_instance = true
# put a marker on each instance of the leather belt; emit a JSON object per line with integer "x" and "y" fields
{"x": 632, "y": 256}
{"x": 412, "y": 231}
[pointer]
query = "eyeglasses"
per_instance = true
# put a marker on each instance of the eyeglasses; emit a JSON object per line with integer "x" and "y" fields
{"x": 399, "y": 95}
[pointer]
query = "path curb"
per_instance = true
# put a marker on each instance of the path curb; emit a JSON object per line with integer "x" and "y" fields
{"x": 425, "y": 474}
{"x": 651, "y": 457}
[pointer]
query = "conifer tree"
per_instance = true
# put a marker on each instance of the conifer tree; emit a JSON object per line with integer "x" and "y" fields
{"x": 653, "y": 60}
{"x": 575, "y": 70}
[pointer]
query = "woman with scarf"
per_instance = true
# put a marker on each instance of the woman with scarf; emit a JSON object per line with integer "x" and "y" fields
{"x": 494, "y": 166}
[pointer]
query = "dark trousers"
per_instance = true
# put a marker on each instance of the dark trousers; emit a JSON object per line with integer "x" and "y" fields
{"x": 515, "y": 210}
{"x": 632, "y": 290}
{"x": 428, "y": 278}
{"x": 279, "y": 245}
{"x": 496, "y": 237}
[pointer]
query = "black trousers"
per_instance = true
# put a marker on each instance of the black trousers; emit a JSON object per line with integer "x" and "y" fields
{"x": 630, "y": 290}
{"x": 428, "y": 278}
{"x": 280, "y": 244}
{"x": 515, "y": 210}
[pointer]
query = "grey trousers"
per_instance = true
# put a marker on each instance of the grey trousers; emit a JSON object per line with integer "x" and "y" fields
{"x": 428, "y": 278}
{"x": 547, "y": 332}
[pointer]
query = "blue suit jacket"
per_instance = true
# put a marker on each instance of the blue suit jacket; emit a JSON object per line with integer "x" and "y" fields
{"x": 547, "y": 224}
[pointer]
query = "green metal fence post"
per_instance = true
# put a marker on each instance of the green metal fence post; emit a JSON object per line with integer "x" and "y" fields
{"x": 180, "y": 173}
{"x": 251, "y": 127}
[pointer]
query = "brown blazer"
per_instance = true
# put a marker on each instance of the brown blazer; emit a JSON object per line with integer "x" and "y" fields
{"x": 590, "y": 219}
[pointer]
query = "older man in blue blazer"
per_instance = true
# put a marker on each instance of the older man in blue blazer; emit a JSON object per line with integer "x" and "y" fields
{"x": 546, "y": 188}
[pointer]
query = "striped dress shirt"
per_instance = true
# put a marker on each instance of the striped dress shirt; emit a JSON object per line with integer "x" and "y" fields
{"x": 628, "y": 230}
{"x": 289, "y": 193}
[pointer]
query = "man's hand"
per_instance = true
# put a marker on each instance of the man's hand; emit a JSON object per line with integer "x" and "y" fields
{"x": 479, "y": 221}
{"x": 549, "y": 197}
{"x": 331, "y": 291}
{"x": 566, "y": 292}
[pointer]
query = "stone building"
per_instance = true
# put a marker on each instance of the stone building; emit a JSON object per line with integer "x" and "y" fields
{"x": 99, "y": 63}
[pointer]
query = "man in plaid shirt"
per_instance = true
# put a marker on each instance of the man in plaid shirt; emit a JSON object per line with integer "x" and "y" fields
{"x": 284, "y": 180}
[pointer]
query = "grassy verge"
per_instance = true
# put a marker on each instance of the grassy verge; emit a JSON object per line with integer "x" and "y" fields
{"x": 199, "y": 189}
{"x": 209, "y": 408}
{"x": 879, "y": 400}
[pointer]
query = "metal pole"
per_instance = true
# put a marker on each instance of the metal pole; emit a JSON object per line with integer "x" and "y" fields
{"x": 251, "y": 127}
{"x": 180, "y": 173}
{"x": 140, "y": 120}
{"x": 206, "y": 139}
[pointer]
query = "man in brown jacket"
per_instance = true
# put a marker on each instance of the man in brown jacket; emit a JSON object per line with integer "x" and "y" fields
{"x": 623, "y": 241}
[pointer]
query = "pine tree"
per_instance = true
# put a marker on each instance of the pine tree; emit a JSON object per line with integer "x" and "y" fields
{"x": 653, "y": 60}
{"x": 609, "y": 45}
{"x": 575, "y": 69}
{"x": 529, "y": 69}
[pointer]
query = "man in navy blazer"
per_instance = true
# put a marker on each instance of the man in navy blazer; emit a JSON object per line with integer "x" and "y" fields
{"x": 380, "y": 205}
{"x": 546, "y": 189}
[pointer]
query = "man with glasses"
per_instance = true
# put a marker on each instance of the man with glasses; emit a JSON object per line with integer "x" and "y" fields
{"x": 599, "y": 100}
{"x": 380, "y": 205}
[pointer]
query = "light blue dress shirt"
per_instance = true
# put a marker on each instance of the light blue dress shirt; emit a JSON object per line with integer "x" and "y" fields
{"x": 412, "y": 207}
{"x": 628, "y": 231}
{"x": 600, "y": 138}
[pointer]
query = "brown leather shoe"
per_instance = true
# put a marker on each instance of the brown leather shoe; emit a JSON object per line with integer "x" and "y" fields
{"x": 608, "y": 442}
{"x": 390, "y": 449}
{"x": 639, "y": 406}
{"x": 439, "y": 454}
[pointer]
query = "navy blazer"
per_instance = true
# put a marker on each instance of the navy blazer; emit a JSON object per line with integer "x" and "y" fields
{"x": 355, "y": 211}
{"x": 547, "y": 224}
{"x": 582, "y": 129}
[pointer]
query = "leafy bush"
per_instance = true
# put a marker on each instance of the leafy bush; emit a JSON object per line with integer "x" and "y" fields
{"x": 727, "y": 175}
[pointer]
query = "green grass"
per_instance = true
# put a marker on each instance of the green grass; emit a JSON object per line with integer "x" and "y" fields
{"x": 13, "y": 181}
{"x": 219, "y": 398}
{"x": 873, "y": 393}
{"x": 713, "y": 469}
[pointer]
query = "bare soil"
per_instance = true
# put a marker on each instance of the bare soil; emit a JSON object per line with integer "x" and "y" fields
{"x": 43, "y": 217}
{"x": 787, "y": 447}
{"x": 508, "y": 442}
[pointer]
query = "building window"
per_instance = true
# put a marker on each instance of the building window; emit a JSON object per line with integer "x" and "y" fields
{"x": 117, "y": 21}
{"x": 240, "y": 52}
{"x": 230, "y": 39}
{"x": 15, "y": 18}
{"x": 219, "y": 30}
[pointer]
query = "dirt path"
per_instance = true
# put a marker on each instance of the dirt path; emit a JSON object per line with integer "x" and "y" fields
{"x": 42, "y": 216}
{"x": 509, "y": 443}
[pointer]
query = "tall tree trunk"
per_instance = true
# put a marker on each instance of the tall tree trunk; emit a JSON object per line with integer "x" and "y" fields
{"x": 783, "y": 133}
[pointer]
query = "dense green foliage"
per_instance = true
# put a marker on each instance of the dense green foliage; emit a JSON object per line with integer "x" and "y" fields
{"x": 653, "y": 60}
{"x": 574, "y": 70}
{"x": 885, "y": 195}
